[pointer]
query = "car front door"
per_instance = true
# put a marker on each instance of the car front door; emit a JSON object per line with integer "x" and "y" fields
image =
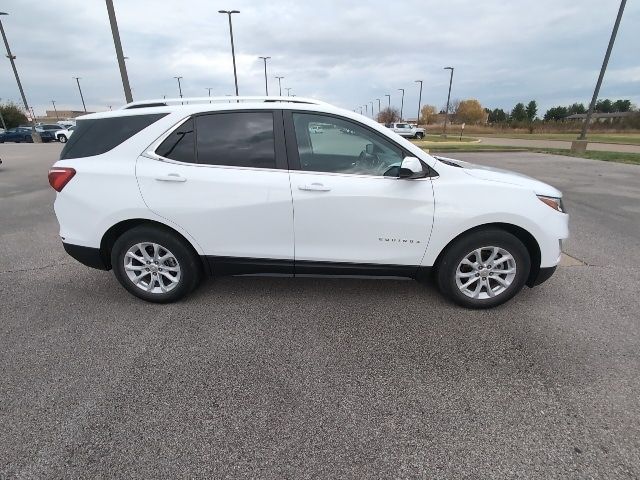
{"x": 352, "y": 212}
{"x": 223, "y": 178}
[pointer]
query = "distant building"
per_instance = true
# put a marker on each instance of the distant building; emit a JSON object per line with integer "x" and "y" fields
{"x": 600, "y": 117}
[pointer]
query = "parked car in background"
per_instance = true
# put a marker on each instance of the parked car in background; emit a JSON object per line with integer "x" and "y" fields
{"x": 52, "y": 127}
{"x": 66, "y": 123}
{"x": 23, "y": 134}
{"x": 166, "y": 193}
{"x": 63, "y": 135}
{"x": 406, "y": 130}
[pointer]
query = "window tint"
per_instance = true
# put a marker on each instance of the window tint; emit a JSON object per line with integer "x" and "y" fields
{"x": 344, "y": 147}
{"x": 180, "y": 145}
{"x": 238, "y": 139}
{"x": 94, "y": 137}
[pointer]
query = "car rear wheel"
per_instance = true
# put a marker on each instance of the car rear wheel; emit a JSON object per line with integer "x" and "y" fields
{"x": 484, "y": 269}
{"x": 154, "y": 264}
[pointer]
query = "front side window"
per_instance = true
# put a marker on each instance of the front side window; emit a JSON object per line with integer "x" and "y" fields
{"x": 237, "y": 139}
{"x": 344, "y": 147}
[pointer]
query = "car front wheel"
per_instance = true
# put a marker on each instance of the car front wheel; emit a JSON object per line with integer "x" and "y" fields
{"x": 484, "y": 269}
{"x": 419, "y": 135}
{"x": 154, "y": 264}
{"x": 62, "y": 139}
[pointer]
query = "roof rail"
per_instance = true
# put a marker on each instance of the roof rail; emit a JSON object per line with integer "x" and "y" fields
{"x": 158, "y": 102}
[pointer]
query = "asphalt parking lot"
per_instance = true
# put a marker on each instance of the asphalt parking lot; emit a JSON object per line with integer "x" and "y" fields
{"x": 322, "y": 378}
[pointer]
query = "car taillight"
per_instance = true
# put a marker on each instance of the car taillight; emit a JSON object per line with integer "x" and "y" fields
{"x": 59, "y": 177}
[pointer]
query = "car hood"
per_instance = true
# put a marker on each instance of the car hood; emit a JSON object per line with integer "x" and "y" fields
{"x": 503, "y": 176}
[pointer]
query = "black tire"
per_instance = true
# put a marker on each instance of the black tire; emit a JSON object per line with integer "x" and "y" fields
{"x": 462, "y": 247}
{"x": 419, "y": 135}
{"x": 187, "y": 260}
{"x": 62, "y": 139}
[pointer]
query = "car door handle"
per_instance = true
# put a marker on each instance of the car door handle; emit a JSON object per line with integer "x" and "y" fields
{"x": 172, "y": 177}
{"x": 314, "y": 187}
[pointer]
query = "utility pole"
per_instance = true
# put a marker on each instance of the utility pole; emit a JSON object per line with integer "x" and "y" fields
{"x": 34, "y": 135}
{"x": 581, "y": 144}
{"x": 446, "y": 113}
{"x": 401, "y": 103}
{"x": 119, "y": 55}
{"x": 55, "y": 110}
{"x": 279, "y": 84}
{"x": 233, "y": 48}
{"x": 266, "y": 85}
{"x": 80, "y": 90}
{"x": 419, "y": 100}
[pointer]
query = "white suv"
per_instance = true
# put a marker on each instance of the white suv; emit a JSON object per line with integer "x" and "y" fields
{"x": 164, "y": 193}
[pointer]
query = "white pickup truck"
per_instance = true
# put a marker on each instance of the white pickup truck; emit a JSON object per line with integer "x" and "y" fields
{"x": 406, "y": 130}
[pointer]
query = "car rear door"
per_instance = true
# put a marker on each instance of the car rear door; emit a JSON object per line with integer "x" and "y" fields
{"x": 222, "y": 177}
{"x": 352, "y": 212}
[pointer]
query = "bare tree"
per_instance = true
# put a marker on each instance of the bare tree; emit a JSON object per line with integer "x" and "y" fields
{"x": 389, "y": 115}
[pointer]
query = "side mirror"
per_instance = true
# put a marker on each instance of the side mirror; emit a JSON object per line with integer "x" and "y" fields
{"x": 411, "y": 168}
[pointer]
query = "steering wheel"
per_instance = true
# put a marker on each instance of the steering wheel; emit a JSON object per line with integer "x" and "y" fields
{"x": 369, "y": 161}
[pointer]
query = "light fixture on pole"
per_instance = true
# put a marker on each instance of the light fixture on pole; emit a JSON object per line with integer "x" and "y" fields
{"x": 446, "y": 113}
{"x": 279, "y": 84}
{"x": 419, "y": 100}
{"x": 80, "y": 90}
{"x": 34, "y": 135}
{"x": 266, "y": 84}
{"x": 233, "y": 49}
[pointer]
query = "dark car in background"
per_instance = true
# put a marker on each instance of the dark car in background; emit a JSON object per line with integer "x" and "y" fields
{"x": 23, "y": 134}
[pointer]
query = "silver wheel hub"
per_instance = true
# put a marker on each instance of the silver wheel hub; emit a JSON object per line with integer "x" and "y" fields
{"x": 486, "y": 272}
{"x": 152, "y": 268}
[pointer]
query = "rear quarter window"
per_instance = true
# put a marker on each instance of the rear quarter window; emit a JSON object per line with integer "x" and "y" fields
{"x": 97, "y": 136}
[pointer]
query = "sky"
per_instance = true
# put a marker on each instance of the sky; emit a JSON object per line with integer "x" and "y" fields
{"x": 345, "y": 53}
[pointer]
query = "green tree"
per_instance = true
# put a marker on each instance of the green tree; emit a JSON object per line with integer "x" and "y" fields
{"x": 622, "y": 106}
{"x": 576, "y": 108}
{"x": 604, "y": 106}
{"x": 497, "y": 115}
{"x": 13, "y": 115}
{"x": 519, "y": 113}
{"x": 556, "y": 113}
{"x": 532, "y": 110}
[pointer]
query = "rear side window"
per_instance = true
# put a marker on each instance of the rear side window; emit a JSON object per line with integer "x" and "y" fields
{"x": 238, "y": 139}
{"x": 95, "y": 137}
{"x": 180, "y": 145}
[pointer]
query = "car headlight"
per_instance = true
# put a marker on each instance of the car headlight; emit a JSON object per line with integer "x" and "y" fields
{"x": 553, "y": 202}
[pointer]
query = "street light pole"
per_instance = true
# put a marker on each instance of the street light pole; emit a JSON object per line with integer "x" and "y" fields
{"x": 379, "y": 109}
{"x": 266, "y": 85}
{"x": 446, "y": 113}
{"x": 401, "y": 103}
{"x": 419, "y": 100}
{"x": 389, "y": 97}
{"x": 119, "y": 55}
{"x": 80, "y": 90}
{"x": 233, "y": 49}
{"x": 288, "y": 89}
{"x": 279, "y": 84}
{"x": 585, "y": 126}
{"x": 209, "y": 91}
{"x": 34, "y": 135}
{"x": 371, "y": 109}
{"x": 55, "y": 110}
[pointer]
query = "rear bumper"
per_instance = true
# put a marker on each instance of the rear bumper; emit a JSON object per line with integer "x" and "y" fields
{"x": 88, "y": 256}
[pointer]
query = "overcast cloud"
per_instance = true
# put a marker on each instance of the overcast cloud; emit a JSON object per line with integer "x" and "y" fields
{"x": 347, "y": 53}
